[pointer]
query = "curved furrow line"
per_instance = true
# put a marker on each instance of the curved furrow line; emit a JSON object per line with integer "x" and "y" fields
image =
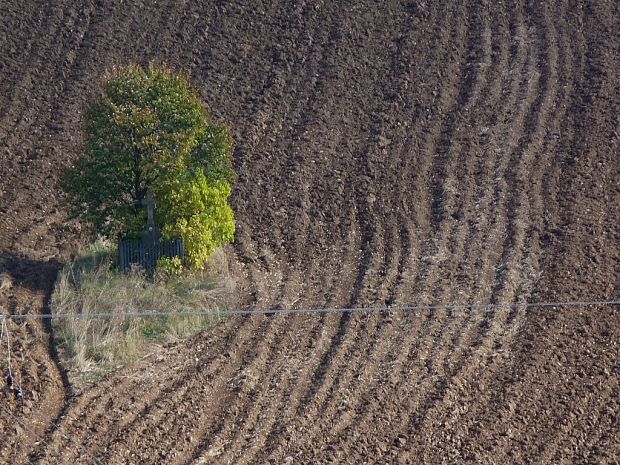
{"x": 247, "y": 384}
{"x": 378, "y": 346}
{"x": 333, "y": 391}
{"x": 296, "y": 121}
{"x": 308, "y": 338}
{"x": 477, "y": 208}
{"x": 380, "y": 378}
{"x": 441, "y": 366}
{"x": 445, "y": 27}
{"x": 333, "y": 363}
{"x": 401, "y": 293}
{"x": 55, "y": 438}
{"x": 444, "y": 187}
{"x": 435, "y": 253}
{"x": 439, "y": 339}
{"x": 491, "y": 213}
{"x": 227, "y": 391}
{"x": 18, "y": 110}
{"x": 469, "y": 336}
{"x": 172, "y": 406}
{"x": 477, "y": 85}
{"x": 16, "y": 47}
{"x": 527, "y": 132}
{"x": 362, "y": 379}
{"x": 536, "y": 152}
{"x": 399, "y": 389}
{"x": 499, "y": 219}
{"x": 524, "y": 283}
{"x": 288, "y": 379}
{"x": 540, "y": 97}
{"x": 558, "y": 62}
{"x": 557, "y": 435}
{"x": 396, "y": 151}
{"x": 192, "y": 426}
{"x": 74, "y": 424}
{"x": 450, "y": 356}
{"x": 533, "y": 127}
{"x": 344, "y": 378}
{"x": 267, "y": 409}
{"x": 422, "y": 325}
{"x": 331, "y": 368}
{"x": 94, "y": 405}
{"x": 374, "y": 159}
{"x": 438, "y": 359}
{"x": 118, "y": 417}
{"x": 457, "y": 328}
{"x": 282, "y": 434}
{"x": 539, "y": 153}
{"x": 425, "y": 47}
{"x": 429, "y": 396}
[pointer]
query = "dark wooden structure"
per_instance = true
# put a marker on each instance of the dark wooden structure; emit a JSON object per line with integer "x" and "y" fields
{"x": 147, "y": 249}
{"x": 145, "y": 252}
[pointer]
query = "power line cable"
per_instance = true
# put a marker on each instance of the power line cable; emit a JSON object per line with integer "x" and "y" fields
{"x": 5, "y": 330}
{"x": 280, "y": 311}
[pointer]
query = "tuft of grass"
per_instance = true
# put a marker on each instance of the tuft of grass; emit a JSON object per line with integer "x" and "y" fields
{"x": 91, "y": 283}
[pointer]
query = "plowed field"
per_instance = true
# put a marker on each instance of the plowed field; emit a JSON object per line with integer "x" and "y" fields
{"x": 389, "y": 153}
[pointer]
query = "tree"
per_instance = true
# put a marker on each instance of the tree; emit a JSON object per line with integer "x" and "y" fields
{"x": 150, "y": 134}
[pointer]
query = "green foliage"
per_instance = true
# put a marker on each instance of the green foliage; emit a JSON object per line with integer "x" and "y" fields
{"x": 150, "y": 133}
{"x": 169, "y": 267}
{"x": 197, "y": 210}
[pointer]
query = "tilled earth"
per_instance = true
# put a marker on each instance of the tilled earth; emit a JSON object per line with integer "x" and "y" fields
{"x": 389, "y": 153}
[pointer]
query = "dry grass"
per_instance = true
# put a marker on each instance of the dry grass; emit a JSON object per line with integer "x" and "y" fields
{"x": 91, "y": 284}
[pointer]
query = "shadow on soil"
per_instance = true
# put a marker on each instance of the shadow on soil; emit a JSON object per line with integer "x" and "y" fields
{"x": 37, "y": 277}
{"x": 34, "y": 275}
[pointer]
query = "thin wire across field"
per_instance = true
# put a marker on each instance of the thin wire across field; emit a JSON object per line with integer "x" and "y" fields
{"x": 278, "y": 311}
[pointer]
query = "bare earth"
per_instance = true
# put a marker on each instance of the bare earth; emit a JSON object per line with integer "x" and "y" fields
{"x": 389, "y": 153}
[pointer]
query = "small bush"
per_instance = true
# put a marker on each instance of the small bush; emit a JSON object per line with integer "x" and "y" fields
{"x": 92, "y": 284}
{"x": 169, "y": 267}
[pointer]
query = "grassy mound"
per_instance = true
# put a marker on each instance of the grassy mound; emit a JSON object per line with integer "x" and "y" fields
{"x": 92, "y": 284}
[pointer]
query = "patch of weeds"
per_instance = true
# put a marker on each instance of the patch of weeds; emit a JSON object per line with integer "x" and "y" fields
{"x": 92, "y": 283}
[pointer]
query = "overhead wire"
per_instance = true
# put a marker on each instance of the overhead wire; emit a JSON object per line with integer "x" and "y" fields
{"x": 5, "y": 330}
{"x": 281, "y": 311}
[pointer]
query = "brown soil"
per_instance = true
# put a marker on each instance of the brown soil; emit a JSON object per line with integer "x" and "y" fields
{"x": 389, "y": 153}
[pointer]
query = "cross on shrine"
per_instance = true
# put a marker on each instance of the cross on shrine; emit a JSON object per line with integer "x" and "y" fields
{"x": 150, "y": 208}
